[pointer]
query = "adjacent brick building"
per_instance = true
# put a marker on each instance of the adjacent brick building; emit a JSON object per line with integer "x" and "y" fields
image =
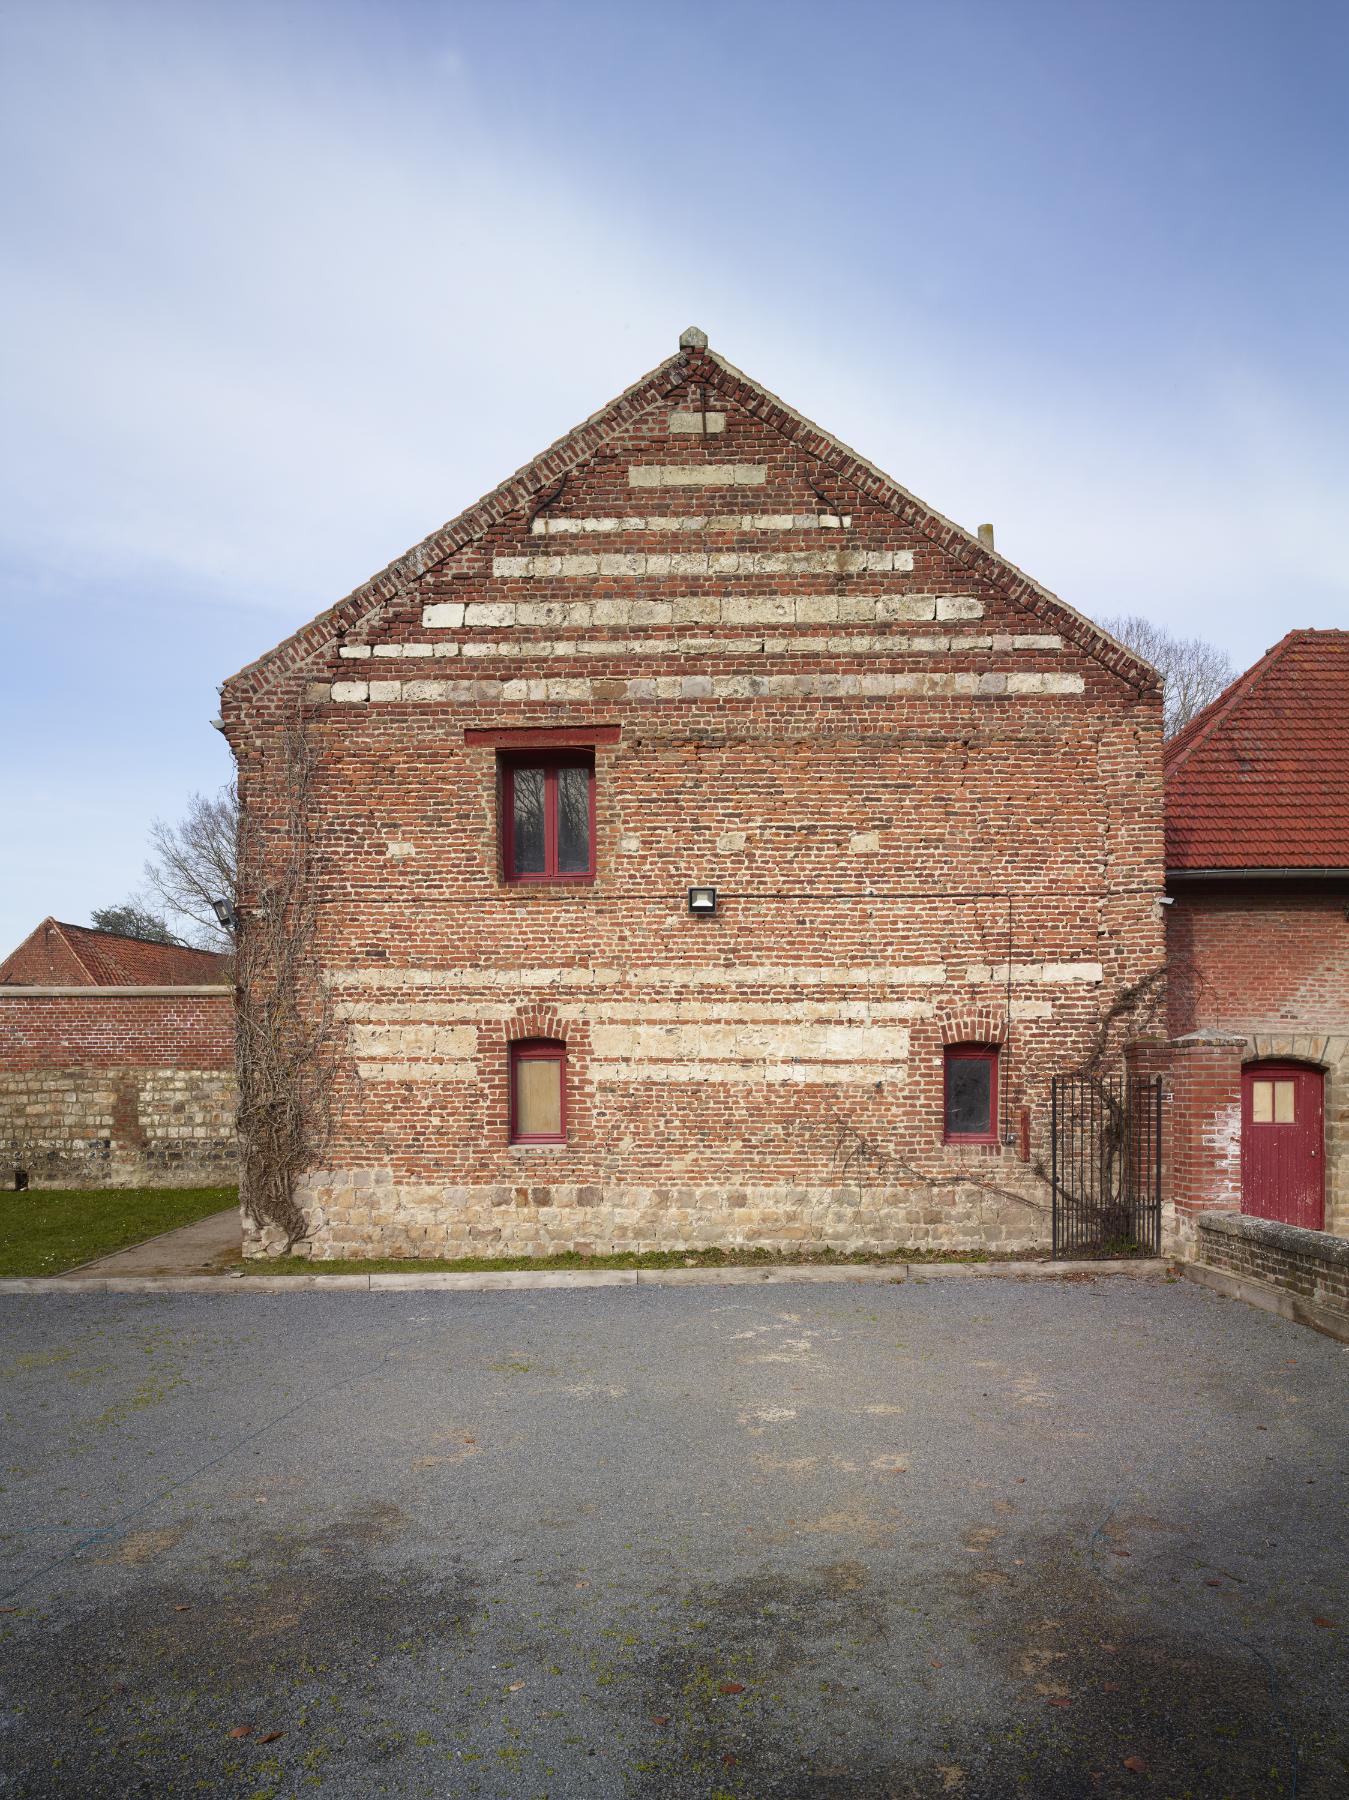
{"x": 116, "y": 1060}
{"x": 1257, "y": 852}
{"x": 696, "y": 644}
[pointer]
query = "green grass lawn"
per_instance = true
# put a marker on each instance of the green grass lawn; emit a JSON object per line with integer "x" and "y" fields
{"x": 44, "y": 1231}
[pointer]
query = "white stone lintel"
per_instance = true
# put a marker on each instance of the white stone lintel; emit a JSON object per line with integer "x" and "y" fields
{"x": 696, "y": 475}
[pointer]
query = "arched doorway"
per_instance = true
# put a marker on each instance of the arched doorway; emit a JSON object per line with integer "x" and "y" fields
{"x": 1283, "y": 1168}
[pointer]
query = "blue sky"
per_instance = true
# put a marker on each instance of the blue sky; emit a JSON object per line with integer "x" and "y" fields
{"x": 282, "y": 288}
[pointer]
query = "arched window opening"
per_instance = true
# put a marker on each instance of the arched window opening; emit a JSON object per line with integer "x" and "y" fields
{"x": 538, "y": 1091}
{"x": 970, "y": 1085}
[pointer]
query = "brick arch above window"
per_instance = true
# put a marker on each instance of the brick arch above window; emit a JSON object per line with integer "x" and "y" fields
{"x": 972, "y": 1025}
{"x": 535, "y": 1022}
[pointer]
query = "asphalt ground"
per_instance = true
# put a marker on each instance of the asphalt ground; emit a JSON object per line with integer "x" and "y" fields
{"x": 971, "y": 1537}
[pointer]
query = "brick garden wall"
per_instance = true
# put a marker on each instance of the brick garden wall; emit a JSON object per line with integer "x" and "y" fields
{"x": 1266, "y": 965}
{"x": 931, "y": 813}
{"x": 117, "y": 1086}
{"x": 1311, "y": 1264}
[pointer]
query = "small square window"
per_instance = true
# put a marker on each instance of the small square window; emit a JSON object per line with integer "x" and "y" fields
{"x": 971, "y": 1094}
{"x": 538, "y": 1092}
{"x": 1274, "y": 1102}
{"x": 548, "y": 816}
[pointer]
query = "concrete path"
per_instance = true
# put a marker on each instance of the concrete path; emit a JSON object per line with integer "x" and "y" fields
{"x": 1077, "y": 1540}
{"x": 206, "y": 1247}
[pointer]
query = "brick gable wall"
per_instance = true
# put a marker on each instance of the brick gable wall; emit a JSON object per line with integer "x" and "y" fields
{"x": 44, "y": 957}
{"x": 927, "y": 809}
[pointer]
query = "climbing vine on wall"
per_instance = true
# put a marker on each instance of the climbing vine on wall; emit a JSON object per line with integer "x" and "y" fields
{"x": 285, "y": 1048}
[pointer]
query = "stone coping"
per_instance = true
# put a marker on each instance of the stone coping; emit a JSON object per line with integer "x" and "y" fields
{"x": 1293, "y": 1240}
{"x": 498, "y": 1279}
{"x": 15, "y": 991}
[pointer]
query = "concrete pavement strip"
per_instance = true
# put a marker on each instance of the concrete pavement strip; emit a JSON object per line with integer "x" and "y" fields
{"x": 193, "y": 1247}
{"x": 486, "y": 1280}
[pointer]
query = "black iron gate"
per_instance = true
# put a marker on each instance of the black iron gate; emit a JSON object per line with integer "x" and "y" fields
{"x": 1107, "y": 1138}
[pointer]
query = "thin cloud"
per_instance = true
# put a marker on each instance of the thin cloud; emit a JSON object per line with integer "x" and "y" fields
{"x": 282, "y": 291}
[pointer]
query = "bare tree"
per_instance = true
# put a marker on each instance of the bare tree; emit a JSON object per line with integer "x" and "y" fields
{"x": 1195, "y": 672}
{"x": 195, "y": 863}
{"x": 135, "y": 920}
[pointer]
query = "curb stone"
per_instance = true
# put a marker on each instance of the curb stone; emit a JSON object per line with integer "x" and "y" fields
{"x": 514, "y": 1279}
{"x": 1279, "y": 1301}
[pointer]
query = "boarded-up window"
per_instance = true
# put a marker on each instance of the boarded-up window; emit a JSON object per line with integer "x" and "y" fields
{"x": 1273, "y": 1103}
{"x": 538, "y": 1076}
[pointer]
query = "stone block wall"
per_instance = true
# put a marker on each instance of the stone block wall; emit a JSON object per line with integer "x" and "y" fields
{"x": 119, "y": 1087}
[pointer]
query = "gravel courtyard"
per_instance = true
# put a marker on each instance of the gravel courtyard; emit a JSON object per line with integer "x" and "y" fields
{"x": 958, "y": 1536}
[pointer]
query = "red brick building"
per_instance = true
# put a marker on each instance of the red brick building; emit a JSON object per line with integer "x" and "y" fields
{"x": 116, "y": 1059}
{"x": 1257, "y": 853}
{"x": 700, "y": 644}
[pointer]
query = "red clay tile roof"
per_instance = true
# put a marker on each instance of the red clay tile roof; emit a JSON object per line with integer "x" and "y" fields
{"x": 1260, "y": 779}
{"x": 61, "y": 955}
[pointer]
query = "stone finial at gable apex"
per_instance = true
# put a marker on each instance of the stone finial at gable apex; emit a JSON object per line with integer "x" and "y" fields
{"x": 693, "y": 339}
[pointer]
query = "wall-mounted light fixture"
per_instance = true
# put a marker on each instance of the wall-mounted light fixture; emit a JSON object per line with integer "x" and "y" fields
{"x": 226, "y": 914}
{"x": 703, "y": 901}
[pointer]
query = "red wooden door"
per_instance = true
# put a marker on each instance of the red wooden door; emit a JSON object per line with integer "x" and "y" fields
{"x": 1282, "y": 1164}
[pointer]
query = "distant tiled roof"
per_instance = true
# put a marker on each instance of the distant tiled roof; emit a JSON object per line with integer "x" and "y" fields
{"x": 58, "y": 954}
{"x": 1260, "y": 779}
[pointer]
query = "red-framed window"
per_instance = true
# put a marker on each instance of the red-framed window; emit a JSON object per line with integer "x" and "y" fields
{"x": 548, "y": 815}
{"x": 538, "y": 1096}
{"x": 970, "y": 1094}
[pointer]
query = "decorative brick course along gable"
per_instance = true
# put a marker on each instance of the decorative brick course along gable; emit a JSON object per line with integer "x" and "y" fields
{"x": 926, "y": 790}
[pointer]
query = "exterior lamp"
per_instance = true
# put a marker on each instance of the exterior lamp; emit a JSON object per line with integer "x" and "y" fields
{"x": 703, "y": 901}
{"x": 226, "y": 914}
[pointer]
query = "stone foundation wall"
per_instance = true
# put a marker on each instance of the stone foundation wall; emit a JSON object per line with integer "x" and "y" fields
{"x": 366, "y": 1213}
{"x": 87, "y": 1127}
{"x": 1311, "y": 1264}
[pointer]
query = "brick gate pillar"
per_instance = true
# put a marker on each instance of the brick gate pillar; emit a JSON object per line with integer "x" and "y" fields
{"x": 1201, "y": 1134}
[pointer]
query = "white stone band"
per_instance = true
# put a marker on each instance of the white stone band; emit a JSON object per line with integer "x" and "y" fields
{"x": 547, "y": 526}
{"x": 717, "y": 687}
{"x": 640, "y": 976}
{"x": 705, "y": 609}
{"x": 638, "y": 565}
{"x": 800, "y": 644}
{"x": 1053, "y": 974}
